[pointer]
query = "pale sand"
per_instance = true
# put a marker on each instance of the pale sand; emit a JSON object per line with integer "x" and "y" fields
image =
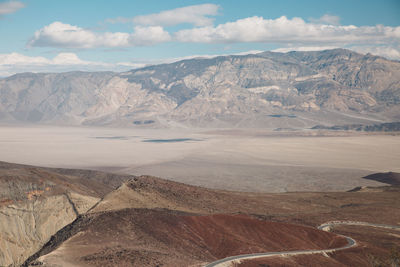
{"x": 239, "y": 162}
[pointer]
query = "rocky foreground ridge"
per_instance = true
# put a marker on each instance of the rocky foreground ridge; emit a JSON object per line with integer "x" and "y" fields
{"x": 61, "y": 217}
{"x": 273, "y": 90}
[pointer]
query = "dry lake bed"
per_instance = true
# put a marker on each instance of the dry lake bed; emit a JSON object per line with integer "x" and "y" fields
{"x": 215, "y": 159}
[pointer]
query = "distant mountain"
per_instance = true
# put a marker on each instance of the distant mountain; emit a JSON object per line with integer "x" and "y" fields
{"x": 273, "y": 90}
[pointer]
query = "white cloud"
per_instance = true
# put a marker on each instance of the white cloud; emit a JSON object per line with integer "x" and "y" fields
{"x": 327, "y": 19}
{"x": 18, "y": 59}
{"x": 15, "y": 63}
{"x": 291, "y": 33}
{"x": 70, "y": 59}
{"x": 59, "y": 34}
{"x": 150, "y": 35}
{"x": 60, "y": 59}
{"x": 10, "y": 7}
{"x": 197, "y": 15}
{"x": 284, "y": 30}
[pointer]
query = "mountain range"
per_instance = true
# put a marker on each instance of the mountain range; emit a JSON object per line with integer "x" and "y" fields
{"x": 268, "y": 90}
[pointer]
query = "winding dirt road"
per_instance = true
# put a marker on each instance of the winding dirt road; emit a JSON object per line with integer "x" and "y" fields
{"x": 226, "y": 262}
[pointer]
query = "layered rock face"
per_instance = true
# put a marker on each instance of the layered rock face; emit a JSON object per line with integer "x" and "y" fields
{"x": 27, "y": 226}
{"x": 36, "y": 202}
{"x": 295, "y": 89}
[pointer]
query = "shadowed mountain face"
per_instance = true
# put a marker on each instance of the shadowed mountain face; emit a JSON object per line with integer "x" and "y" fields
{"x": 295, "y": 89}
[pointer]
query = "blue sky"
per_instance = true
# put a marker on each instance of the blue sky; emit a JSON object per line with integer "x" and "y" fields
{"x": 50, "y": 35}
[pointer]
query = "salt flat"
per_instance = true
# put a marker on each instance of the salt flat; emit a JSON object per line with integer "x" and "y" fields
{"x": 240, "y": 162}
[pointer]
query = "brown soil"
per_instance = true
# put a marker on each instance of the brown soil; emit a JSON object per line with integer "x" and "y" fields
{"x": 151, "y": 221}
{"x": 377, "y": 205}
{"x": 168, "y": 234}
{"x": 376, "y": 247}
{"x": 294, "y": 261}
{"x": 23, "y": 182}
{"x": 180, "y": 239}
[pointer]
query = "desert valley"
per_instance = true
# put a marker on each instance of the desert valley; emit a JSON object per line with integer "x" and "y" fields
{"x": 233, "y": 190}
{"x": 221, "y": 134}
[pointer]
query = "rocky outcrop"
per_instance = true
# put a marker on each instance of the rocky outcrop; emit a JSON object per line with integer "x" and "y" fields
{"x": 333, "y": 86}
{"x": 36, "y": 202}
{"x": 27, "y": 226}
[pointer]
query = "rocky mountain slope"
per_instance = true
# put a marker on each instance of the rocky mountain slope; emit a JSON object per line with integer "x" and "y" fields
{"x": 275, "y": 90}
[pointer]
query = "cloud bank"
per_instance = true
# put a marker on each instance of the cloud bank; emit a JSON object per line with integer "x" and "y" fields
{"x": 281, "y": 31}
{"x": 10, "y": 7}
{"x": 15, "y": 63}
{"x": 287, "y": 34}
{"x": 62, "y": 35}
{"x": 284, "y": 30}
{"x": 197, "y": 15}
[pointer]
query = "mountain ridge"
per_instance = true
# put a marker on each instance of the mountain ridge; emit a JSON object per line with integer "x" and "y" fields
{"x": 336, "y": 86}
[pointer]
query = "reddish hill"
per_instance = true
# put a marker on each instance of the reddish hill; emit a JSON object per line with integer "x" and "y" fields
{"x": 226, "y": 235}
{"x": 376, "y": 247}
{"x": 180, "y": 239}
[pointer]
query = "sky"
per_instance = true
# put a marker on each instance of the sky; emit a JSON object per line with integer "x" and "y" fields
{"x": 118, "y": 35}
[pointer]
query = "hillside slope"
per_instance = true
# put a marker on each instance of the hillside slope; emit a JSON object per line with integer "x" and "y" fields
{"x": 148, "y": 221}
{"x": 37, "y": 202}
{"x": 61, "y": 217}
